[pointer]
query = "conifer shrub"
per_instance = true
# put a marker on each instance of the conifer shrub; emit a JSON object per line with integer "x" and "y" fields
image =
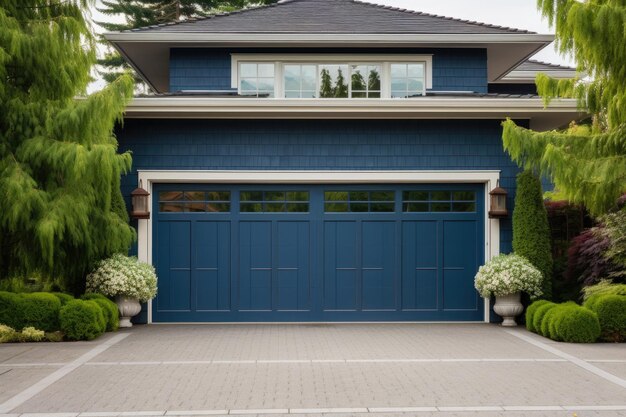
{"x": 82, "y": 320}
{"x": 531, "y": 230}
{"x": 577, "y": 325}
{"x": 11, "y": 313}
{"x": 550, "y": 323}
{"x": 109, "y": 309}
{"x": 40, "y": 310}
{"x": 63, "y": 297}
{"x": 530, "y": 313}
{"x": 611, "y": 311}
{"x": 540, "y": 313}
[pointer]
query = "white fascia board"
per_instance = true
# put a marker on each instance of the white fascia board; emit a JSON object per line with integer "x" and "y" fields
{"x": 529, "y": 76}
{"x": 324, "y": 38}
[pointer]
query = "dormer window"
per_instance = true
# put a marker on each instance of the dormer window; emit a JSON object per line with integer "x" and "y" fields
{"x": 334, "y": 76}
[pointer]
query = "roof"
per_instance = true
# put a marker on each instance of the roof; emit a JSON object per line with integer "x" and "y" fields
{"x": 540, "y": 66}
{"x": 527, "y": 71}
{"x": 329, "y": 16}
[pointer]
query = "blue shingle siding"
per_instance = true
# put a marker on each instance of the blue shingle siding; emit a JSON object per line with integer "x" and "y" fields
{"x": 319, "y": 145}
{"x": 209, "y": 69}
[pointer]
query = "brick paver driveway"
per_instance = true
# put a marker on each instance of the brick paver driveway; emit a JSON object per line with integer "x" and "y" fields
{"x": 335, "y": 369}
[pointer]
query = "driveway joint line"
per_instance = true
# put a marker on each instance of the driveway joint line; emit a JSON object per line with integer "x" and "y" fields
{"x": 25, "y": 395}
{"x": 571, "y": 358}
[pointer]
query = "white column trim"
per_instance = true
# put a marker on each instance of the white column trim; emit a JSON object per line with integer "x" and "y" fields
{"x": 487, "y": 177}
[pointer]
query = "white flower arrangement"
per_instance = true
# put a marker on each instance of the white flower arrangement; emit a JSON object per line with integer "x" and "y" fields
{"x": 508, "y": 274}
{"x": 124, "y": 276}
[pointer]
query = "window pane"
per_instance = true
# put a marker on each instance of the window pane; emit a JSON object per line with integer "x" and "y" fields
{"x": 336, "y": 196}
{"x": 195, "y": 196}
{"x": 359, "y": 207}
{"x": 309, "y": 77}
{"x": 251, "y": 207}
{"x": 373, "y": 95}
{"x": 274, "y": 196}
{"x": 266, "y": 70}
{"x": 440, "y": 207}
{"x": 415, "y": 195}
{"x": 171, "y": 207}
{"x": 464, "y": 207}
{"x": 336, "y": 207}
{"x": 274, "y": 207}
{"x": 398, "y": 94}
{"x": 415, "y": 71}
{"x": 266, "y": 84}
{"x": 292, "y": 94}
{"x": 415, "y": 86}
{"x": 297, "y": 196}
{"x": 251, "y": 196}
{"x": 308, "y": 94}
{"x": 463, "y": 196}
{"x": 248, "y": 70}
{"x": 398, "y": 70}
{"x": 415, "y": 207}
{"x": 382, "y": 196}
{"x": 170, "y": 195}
{"x": 292, "y": 77}
{"x": 361, "y": 94}
{"x": 297, "y": 207}
{"x": 196, "y": 207}
{"x": 373, "y": 79}
{"x": 359, "y": 82}
{"x": 218, "y": 207}
{"x": 248, "y": 84}
{"x": 440, "y": 195}
{"x": 382, "y": 207}
{"x": 359, "y": 196}
{"x": 218, "y": 195}
{"x": 333, "y": 81}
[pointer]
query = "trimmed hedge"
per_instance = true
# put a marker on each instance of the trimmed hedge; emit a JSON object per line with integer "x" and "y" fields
{"x": 109, "y": 309}
{"x": 63, "y": 297}
{"x": 10, "y": 310}
{"x": 82, "y": 320}
{"x": 611, "y": 311}
{"x": 40, "y": 310}
{"x": 530, "y": 313}
{"x": 577, "y": 325}
{"x": 552, "y": 319}
{"x": 539, "y": 313}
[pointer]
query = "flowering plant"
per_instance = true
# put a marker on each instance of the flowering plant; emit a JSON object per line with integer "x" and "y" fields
{"x": 125, "y": 276}
{"x": 508, "y": 274}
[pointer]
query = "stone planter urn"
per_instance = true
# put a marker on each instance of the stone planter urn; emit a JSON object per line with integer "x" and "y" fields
{"x": 508, "y": 307}
{"x": 128, "y": 308}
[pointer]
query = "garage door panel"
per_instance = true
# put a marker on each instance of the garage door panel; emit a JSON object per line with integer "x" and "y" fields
{"x": 340, "y": 261}
{"x": 255, "y": 266}
{"x": 460, "y": 264}
{"x": 293, "y": 266}
{"x": 420, "y": 269}
{"x": 378, "y": 259}
{"x": 212, "y": 266}
{"x": 174, "y": 266}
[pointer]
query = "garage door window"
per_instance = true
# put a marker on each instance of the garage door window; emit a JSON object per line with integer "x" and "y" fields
{"x": 274, "y": 201}
{"x": 194, "y": 201}
{"x": 359, "y": 201}
{"x": 438, "y": 201}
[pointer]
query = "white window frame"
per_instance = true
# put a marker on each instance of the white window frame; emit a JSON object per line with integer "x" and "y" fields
{"x": 384, "y": 61}
{"x": 257, "y": 78}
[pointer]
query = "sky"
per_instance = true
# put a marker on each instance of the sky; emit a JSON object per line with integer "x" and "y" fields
{"x": 520, "y": 14}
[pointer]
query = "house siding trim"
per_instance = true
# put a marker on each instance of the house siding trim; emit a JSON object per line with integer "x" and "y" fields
{"x": 487, "y": 177}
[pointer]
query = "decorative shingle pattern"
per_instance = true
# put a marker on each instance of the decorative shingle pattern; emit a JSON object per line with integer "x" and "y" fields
{"x": 330, "y": 16}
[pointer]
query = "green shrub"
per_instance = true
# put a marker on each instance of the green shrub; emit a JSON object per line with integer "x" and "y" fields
{"x": 539, "y": 313}
{"x": 11, "y": 313}
{"x": 611, "y": 311}
{"x": 82, "y": 320}
{"x": 41, "y": 310}
{"x": 54, "y": 336}
{"x": 531, "y": 231}
{"x": 63, "y": 297}
{"x": 604, "y": 287}
{"x": 551, "y": 320}
{"x": 530, "y": 312}
{"x": 109, "y": 309}
{"x": 577, "y": 325}
{"x": 7, "y": 334}
{"x": 30, "y": 334}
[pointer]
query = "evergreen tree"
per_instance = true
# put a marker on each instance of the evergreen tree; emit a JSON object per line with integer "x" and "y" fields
{"x": 341, "y": 86}
{"x": 142, "y": 13}
{"x": 358, "y": 82}
{"x": 586, "y": 163}
{"x": 326, "y": 84}
{"x": 373, "y": 80}
{"x": 531, "y": 231}
{"x": 60, "y": 203}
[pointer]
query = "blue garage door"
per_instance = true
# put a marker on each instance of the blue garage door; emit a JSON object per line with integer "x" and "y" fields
{"x": 317, "y": 253}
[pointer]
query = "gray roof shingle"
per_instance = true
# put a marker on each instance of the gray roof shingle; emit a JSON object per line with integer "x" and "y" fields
{"x": 540, "y": 66}
{"x": 330, "y": 16}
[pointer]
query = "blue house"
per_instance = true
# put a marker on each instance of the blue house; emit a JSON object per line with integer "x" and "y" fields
{"x": 326, "y": 160}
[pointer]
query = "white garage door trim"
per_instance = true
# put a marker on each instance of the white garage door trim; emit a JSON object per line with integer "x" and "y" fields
{"x": 488, "y": 177}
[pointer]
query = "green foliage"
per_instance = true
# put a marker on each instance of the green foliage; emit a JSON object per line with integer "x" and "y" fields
{"x": 551, "y": 320}
{"x": 64, "y": 298}
{"x": 586, "y": 163}
{"x": 611, "y": 311}
{"x": 615, "y": 230}
{"x": 54, "y": 337}
{"x": 326, "y": 84}
{"x": 142, "y": 13}
{"x": 30, "y": 334}
{"x": 530, "y": 313}
{"x": 11, "y": 313}
{"x": 577, "y": 325}
{"x": 7, "y": 333}
{"x": 604, "y": 287}
{"x": 341, "y": 86}
{"x": 40, "y": 310}
{"x": 531, "y": 231}
{"x": 109, "y": 309}
{"x": 540, "y": 312}
{"x": 59, "y": 166}
{"x": 82, "y": 320}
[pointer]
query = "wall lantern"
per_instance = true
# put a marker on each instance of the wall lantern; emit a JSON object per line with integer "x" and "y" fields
{"x": 140, "y": 203}
{"x": 498, "y": 203}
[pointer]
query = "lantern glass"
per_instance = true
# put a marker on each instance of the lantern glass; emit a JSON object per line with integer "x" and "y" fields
{"x": 140, "y": 204}
{"x": 498, "y": 203}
